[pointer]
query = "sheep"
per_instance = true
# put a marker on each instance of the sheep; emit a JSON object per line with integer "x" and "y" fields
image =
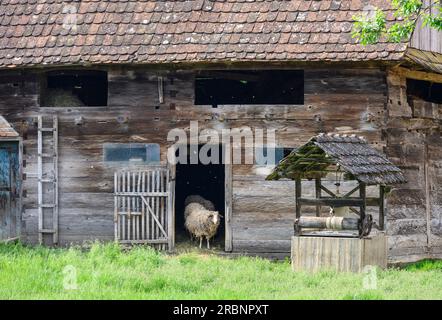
{"x": 193, "y": 206}
{"x": 201, "y": 222}
{"x": 198, "y": 199}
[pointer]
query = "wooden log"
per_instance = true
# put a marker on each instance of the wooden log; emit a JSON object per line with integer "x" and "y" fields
{"x": 332, "y": 202}
{"x": 332, "y": 223}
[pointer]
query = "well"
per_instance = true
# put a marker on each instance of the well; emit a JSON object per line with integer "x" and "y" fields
{"x": 340, "y": 238}
{"x": 340, "y": 254}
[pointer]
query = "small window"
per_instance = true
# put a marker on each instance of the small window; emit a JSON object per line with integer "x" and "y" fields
{"x": 250, "y": 87}
{"x": 74, "y": 89}
{"x": 425, "y": 90}
{"x": 132, "y": 152}
{"x": 262, "y": 159}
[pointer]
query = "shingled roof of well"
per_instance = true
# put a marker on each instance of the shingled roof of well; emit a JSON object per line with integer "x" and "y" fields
{"x": 357, "y": 157}
{"x": 353, "y": 154}
{"x": 6, "y": 131}
{"x": 54, "y": 32}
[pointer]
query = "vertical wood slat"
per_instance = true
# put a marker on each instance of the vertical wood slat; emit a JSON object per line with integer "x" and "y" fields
{"x": 170, "y": 217}
{"x": 148, "y": 224}
{"x": 137, "y": 199}
{"x": 116, "y": 207}
{"x": 143, "y": 211}
{"x": 129, "y": 217}
{"x": 157, "y": 200}
{"x": 163, "y": 218}
{"x": 123, "y": 199}
{"x": 55, "y": 183}
{"x": 134, "y": 209}
{"x": 40, "y": 178}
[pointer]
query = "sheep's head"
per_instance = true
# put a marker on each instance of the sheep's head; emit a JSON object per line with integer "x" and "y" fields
{"x": 214, "y": 217}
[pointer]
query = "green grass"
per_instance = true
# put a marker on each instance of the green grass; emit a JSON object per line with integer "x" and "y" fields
{"x": 109, "y": 272}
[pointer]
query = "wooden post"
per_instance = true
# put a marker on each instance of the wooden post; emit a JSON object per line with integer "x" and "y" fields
{"x": 171, "y": 208}
{"x": 116, "y": 206}
{"x": 40, "y": 178}
{"x": 228, "y": 247}
{"x": 362, "y": 194}
{"x": 381, "y": 208}
{"x": 55, "y": 183}
{"x": 318, "y": 195}
{"x": 298, "y": 193}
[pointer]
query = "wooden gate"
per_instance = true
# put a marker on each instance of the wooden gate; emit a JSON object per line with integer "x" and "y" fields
{"x": 144, "y": 207}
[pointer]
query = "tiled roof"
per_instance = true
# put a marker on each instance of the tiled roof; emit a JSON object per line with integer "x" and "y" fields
{"x": 53, "y": 32}
{"x": 6, "y": 131}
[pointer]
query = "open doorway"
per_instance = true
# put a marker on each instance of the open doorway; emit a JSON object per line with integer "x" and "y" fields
{"x": 206, "y": 180}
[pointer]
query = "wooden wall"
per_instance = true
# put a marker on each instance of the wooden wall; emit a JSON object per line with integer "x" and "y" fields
{"x": 414, "y": 142}
{"x": 337, "y": 99}
{"x": 425, "y": 38}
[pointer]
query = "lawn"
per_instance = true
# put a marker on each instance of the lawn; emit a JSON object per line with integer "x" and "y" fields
{"x": 109, "y": 272}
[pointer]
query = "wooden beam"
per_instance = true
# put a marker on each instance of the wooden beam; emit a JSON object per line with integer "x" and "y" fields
{"x": 298, "y": 193}
{"x": 228, "y": 205}
{"x": 363, "y": 196}
{"x": 328, "y": 191}
{"x": 332, "y": 202}
{"x": 418, "y": 75}
{"x": 351, "y": 192}
{"x": 381, "y": 208}
{"x": 318, "y": 195}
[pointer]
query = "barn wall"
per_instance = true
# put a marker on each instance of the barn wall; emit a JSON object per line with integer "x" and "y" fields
{"x": 414, "y": 143}
{"x": 336, "y": 100}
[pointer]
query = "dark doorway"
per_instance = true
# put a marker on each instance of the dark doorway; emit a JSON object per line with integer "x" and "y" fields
{"x": 9, "y": 189}
{"x": 206, "y": 180}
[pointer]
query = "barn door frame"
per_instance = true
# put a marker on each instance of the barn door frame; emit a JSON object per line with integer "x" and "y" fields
{"x": 228, "y": 190}
{"x": 143, "y": 207}
{"x": 19, "y": 188}
{"x": 228, "y": 209}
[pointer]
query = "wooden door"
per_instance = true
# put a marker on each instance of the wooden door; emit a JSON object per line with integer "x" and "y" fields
{"x": 144, "y": 207}
{"x": 9, "y": 190}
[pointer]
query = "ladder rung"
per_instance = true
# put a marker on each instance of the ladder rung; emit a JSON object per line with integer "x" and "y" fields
{"x": 47, "y": 205}
{"x": 47, "y": 129}
{"x": 46, "y": 231}
{"x": 47, "y": 180}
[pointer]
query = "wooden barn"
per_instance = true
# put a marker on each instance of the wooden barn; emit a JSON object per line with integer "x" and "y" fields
{"x": 91, "y": 89}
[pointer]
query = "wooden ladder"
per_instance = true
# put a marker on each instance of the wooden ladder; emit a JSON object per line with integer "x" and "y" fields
{"x": 45, "y": 178}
